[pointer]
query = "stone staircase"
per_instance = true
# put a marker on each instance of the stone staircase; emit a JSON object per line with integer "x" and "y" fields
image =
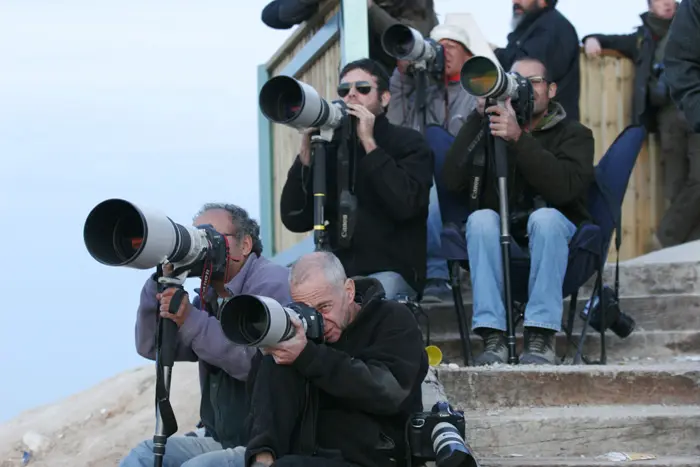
{"x": 645, "y": 400}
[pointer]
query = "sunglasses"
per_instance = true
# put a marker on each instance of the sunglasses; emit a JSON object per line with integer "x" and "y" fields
{"x": 363, "y": 87}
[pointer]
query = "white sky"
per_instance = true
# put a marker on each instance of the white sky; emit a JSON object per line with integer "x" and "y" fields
{"x": 154, "y": 102}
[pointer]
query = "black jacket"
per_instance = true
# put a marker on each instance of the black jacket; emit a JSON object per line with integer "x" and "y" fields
{"x": 683, "y": 61}
{"x": 554, "y": 163}
{"x": 638, "y": 47}
{"x": 367, "y": 384}
{"x": 551, "y": 38}
{"x": 393, "y": 191}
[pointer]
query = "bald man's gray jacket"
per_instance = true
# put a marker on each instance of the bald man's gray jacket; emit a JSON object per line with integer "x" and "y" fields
{"x": 682, "y": 61}
{"x": 447, "y": 105}
{"x": 223, "y": 366}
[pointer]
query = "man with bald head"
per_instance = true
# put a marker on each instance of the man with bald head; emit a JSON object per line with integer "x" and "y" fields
{"x": 344, "y": 401}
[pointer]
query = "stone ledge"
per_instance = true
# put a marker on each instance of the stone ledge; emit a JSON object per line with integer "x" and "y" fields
{"x": 565, "y": 385}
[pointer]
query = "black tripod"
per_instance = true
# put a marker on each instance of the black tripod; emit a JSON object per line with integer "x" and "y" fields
{"x": 497, "y": 156}
{"x": 346, "y": 204}
{"x": 166, "y": 343}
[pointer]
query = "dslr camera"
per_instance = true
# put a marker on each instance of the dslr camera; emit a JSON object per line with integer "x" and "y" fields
{"x": 440, "y": 435}
{"x": 405, "y": 43}
{"x": 482, "y": 77}
{"x": 615, "y": 320}
{"x": 120, "y": 233}
{"x": 257, "y": 321}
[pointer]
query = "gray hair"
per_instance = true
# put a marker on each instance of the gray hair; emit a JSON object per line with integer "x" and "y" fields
{"x": 242, "y": 222}
{"x": 323, "y": 262}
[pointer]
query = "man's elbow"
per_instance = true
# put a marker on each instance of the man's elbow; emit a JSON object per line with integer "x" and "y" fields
{"x": 295, "y": 222}
{"x": 146, "y": 350}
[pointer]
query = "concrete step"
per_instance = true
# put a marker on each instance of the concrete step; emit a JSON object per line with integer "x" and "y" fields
{"x": 506, "y": 386}
{"x": 650, "y": 312}
{"x": 598, "y": 461}
{"x": 585, "y": 430}
{"x": 639, "y": 345}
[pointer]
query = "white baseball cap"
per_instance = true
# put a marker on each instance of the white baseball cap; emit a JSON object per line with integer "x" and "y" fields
{"x": 451, "y": 32}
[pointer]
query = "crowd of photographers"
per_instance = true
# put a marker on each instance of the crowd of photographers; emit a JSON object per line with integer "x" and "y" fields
{"x": 341, "y": 380}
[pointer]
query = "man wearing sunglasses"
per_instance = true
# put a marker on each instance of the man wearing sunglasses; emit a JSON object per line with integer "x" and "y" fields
{"x": 551, "y": 167}
{"x": 394, "y": 171}
{"x": 223, "y": 366}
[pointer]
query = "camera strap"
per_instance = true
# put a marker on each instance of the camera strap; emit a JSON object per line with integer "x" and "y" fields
{"x": 476, "y": 157}
{"x": 346, "y": 175}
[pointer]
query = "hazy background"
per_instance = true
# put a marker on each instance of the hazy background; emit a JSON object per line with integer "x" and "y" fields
{"x": 154, "y": 102}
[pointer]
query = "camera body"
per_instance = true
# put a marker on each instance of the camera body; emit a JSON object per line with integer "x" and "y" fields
{"x": 310, "y": 318}
{"x": 214, "y": 255}
{"x": 422, "y": 430}
{"x": 618, "y": 322}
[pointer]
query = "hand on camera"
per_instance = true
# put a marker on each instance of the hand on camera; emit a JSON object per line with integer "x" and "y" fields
{"x": 592, "y": 47}
{"x": 286, "y": 352}
{"x": 182, "y": 313}
{"x": 305, "y": 151}
{"x": 503, "y": 122}
{"x": 365, "y": 126}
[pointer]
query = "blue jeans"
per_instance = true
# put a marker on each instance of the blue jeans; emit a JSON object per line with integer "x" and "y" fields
{"x": 436, "y": 265}
{"x": 186, "y": 451}
{"x": 549, "y": 233}
{"x": 394, "y": 285}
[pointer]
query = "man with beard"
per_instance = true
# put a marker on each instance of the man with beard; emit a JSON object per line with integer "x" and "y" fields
{"x": 653, "y": 107}
{"x": 393, "y": 175}
{"x": 543, "y": 33}
{"x": 551, "y": 162}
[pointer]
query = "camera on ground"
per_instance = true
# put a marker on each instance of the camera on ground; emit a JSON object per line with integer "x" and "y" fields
{"x": 120, "y": 233}
{"x": 440, "y": 435}
{"x": 257, "y": 321}
{"x": 618, "y": 322}
{"x": 405, "y": 43}
{"x": 290, "y": 102}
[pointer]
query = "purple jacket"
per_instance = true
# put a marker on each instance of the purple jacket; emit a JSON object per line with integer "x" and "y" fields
{"x": 200, "y": 338}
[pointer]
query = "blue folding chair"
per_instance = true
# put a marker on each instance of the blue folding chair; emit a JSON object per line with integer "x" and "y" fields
{"x": 587, "y": 249}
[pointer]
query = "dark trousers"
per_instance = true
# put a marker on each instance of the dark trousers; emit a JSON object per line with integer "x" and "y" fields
{"x": 281, "y": 420}
{"x": 680, "y": 156}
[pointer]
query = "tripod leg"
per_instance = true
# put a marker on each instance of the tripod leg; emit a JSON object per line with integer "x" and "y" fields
{"x": 166, "y": 423}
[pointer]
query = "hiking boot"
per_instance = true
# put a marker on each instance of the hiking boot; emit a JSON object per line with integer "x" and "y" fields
{"x": 495, "y": 349}
{"x": 539, "y": 347}
{"x": 436, "y": 291}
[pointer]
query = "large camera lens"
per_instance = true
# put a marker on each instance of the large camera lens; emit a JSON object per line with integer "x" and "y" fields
{"x": 480, "y": 76}
{"x": 450, "y": 448}
{"x": 255, "y": 321}
{"x": 119, "y": 233}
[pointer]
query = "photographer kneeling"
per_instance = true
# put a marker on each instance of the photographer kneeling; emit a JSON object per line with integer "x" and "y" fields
{"x": 346, "y": 401}
{"x": 223, "y": 366}
{"x": 551, "y": 169}
{"x": 394, "y": 171}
